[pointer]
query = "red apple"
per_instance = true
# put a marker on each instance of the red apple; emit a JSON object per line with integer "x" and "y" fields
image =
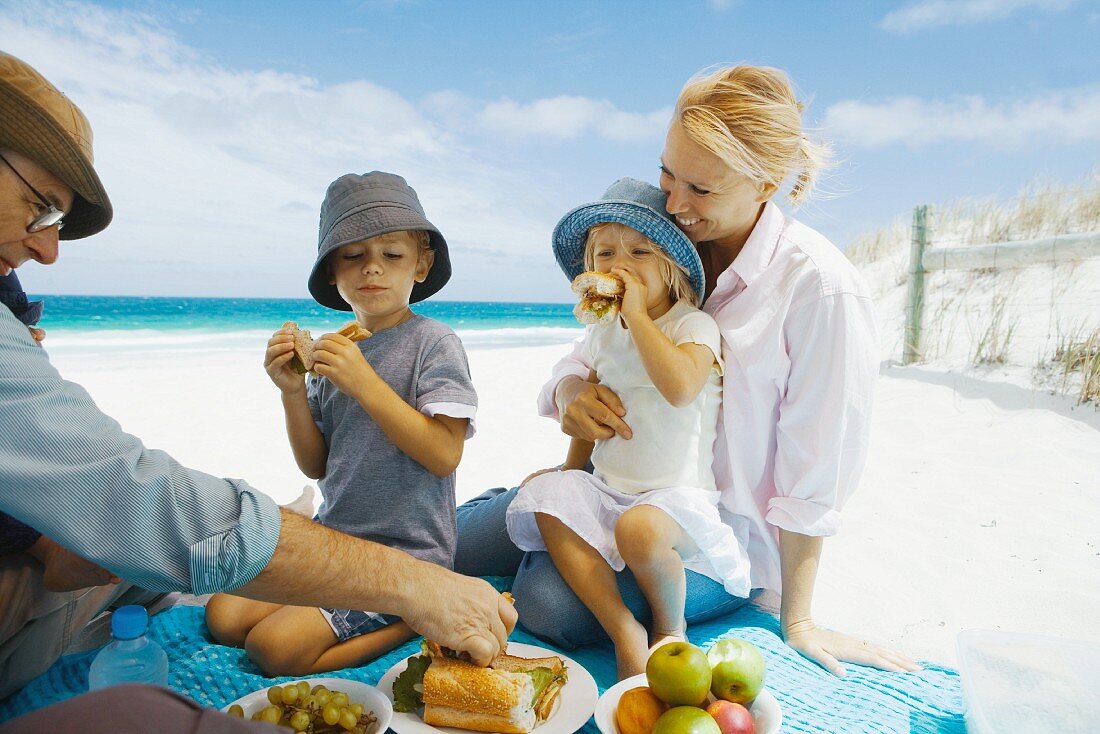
{"x": 678, "y": 672}
{"x": 737, "y": 670}
{"x": 686, "y": 720}
{"x": 732, "y": 718}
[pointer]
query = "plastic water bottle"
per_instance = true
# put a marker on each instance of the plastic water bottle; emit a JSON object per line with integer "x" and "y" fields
{"x": 130, "y": 657}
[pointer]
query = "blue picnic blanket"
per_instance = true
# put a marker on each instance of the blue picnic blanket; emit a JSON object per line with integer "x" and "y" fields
{"x": 812, "y": 699}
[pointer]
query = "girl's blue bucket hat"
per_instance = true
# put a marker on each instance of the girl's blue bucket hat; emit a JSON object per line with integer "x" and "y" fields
{"x": 637, "y": 205}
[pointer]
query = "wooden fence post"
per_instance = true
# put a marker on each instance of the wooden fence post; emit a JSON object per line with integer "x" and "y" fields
{"x": 915, "y": 309}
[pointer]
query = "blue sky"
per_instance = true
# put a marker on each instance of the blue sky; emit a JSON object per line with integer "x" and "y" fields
{"x": 218, "y": 125}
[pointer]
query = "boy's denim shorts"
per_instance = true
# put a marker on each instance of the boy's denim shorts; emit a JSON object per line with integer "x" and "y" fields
{"x": 348, "y": 623}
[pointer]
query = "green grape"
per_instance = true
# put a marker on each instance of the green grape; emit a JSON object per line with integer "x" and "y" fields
{"x": 275, "y": 694}
{"x": 309, "y": 702}
{"x": 340, "y": 699}
{"x": 236, "y": 710}
{"x": 288, "y": 694}
{"x": 331, "y": 714}
{"x": 303, "y": 688}
{"x": 271, "y": 714}
{"x": 323, "y": 696}
{"x": 357, "y": 709}
{"x": 318, "y": 687}
{"x": 256, "y": 716}
{"x": 299, "y": 721}
{"x": 348, "y": 720}
{"x": 359, "y": 730}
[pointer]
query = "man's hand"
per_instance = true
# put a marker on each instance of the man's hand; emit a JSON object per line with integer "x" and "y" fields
{"x": 340, "y": 359}
{"x": 66, "y": 571}
{"x": 828, "y": 649}
{"x": 462, "y": 613}
{"x": 590, "y": 411}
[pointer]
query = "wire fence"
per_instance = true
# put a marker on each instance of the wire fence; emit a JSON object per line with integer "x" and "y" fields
{"x": 995, "y": 303}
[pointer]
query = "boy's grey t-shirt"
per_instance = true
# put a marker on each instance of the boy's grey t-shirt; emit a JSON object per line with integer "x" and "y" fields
{"x": 371, "y": 488}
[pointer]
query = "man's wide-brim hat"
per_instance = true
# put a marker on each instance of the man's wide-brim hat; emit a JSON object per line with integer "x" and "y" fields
{"x": 41, "y": 123}
{"x": 637, "y": 205}
{"x": 358, "y": 207}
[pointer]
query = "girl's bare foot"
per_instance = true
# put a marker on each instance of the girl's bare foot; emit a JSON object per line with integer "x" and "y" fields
{"x": 631, "y": 651}
{"x": 662, "y": 637}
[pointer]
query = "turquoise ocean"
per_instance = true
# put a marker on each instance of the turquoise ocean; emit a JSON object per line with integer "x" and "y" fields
{"x": 109, "y": 323}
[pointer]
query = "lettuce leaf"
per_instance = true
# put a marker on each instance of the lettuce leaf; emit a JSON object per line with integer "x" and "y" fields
{"x": 541, "y": 677}
{"x": 406, "y": 698}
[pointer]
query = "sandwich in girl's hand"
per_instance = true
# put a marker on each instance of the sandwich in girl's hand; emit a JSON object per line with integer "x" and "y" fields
{"x": 512, "y": 695}
{"x": 303, "y": 343}
{"x": 601, "y": 295}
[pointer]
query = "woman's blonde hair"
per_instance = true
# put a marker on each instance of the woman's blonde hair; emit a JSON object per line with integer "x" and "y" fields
{"x": 674, "y": 275}
{"x": 749, "y": 117}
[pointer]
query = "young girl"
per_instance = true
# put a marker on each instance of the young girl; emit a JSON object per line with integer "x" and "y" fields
{"x": 650, "y": 504}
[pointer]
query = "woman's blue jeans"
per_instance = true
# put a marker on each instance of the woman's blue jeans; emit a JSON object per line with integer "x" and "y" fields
{"x": 547, "y": 606}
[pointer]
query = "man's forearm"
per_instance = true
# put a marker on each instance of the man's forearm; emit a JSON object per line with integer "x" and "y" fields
{"x": 798, "y": 560}
{"x": 317, "y": 566}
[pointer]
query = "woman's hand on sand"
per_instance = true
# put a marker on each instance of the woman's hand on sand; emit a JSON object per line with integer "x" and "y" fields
{"x": 829, "y": 649}
{"x": 635, "y": 295}
{"x": 462, "y": 613}
{"x": 591, "y": 411}
{"x": 280, "y": 350}
{"x": 340, "y": 359}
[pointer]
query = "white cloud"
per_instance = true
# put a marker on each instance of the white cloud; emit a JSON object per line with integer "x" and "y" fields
{"x": 1068, "y": 116}
{"x": 217, "y": 173}
{"x": 936, "y": 13}
{"x": 569, "y": 118}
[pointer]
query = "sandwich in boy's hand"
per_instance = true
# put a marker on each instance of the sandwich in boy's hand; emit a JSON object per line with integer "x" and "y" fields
{"x": 512, "y": 695}
{"x": 303, "y": 343}
{"x": 601, "y": 295}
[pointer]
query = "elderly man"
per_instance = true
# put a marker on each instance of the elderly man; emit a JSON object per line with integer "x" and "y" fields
{"x": 105, "y": 501}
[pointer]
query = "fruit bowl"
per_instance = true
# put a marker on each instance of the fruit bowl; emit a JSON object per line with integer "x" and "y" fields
{"x": 765, "y": 709}
{"x": 371, "y": 698}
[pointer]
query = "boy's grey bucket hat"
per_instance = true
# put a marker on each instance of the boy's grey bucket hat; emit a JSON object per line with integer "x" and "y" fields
{"x": 358, "y": 207}
{"x": 641, "y": 207}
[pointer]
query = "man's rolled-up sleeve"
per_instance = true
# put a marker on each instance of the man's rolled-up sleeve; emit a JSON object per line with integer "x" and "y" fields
{"x": 824, "y": 416}
{"x": 70, "y": 472}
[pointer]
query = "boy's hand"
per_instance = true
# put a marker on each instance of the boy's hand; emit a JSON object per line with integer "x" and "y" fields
{"x": 339, "y": 359}
{"x": 635, "y": 295}
{"x": 280, "y": 350}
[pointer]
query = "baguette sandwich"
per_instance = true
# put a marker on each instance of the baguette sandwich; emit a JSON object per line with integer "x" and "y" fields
{"x": 512, "y": 695}
{"x": 601, "y": 295}
{"x": 303, "y": 343}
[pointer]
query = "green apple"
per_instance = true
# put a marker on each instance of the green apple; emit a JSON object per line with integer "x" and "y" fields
{"x": 737, "y": 670}
{"x": 679, "y": 674}
{"x": 686, "y": 720}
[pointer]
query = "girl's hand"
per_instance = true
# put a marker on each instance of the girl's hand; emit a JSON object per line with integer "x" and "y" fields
{"x": 280, "y": 350}
{"x": 635, "y": 295}
{"x": 828, "y": 649}
{"x": 339, "y": 359}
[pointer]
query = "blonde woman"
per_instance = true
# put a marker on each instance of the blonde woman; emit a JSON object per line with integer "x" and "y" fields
{"x": 801, "y": 358}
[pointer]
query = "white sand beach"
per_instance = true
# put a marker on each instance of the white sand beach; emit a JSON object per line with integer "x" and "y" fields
{"x": 978, "y": 507}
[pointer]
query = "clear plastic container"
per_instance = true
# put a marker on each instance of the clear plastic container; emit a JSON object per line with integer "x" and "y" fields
{"x": 130, "y": 657}
{"x": 1029, "y": 684}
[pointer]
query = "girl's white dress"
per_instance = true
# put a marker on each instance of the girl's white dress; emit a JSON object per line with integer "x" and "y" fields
{"x": 667, "y": 463}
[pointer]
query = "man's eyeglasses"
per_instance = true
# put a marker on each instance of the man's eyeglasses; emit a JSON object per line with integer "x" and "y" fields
{"x": 52, "y": 216}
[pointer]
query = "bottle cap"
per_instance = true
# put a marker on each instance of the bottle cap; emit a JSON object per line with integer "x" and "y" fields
{"x": 129, "y": 622}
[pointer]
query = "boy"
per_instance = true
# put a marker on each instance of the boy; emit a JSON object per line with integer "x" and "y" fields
{"x": 382, "y": 424}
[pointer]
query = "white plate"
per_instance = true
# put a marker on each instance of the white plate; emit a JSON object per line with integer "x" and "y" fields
{"x": 571, "y": 711}
{"x": 765, "y": 709}
{"x": 371, "y": 698}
